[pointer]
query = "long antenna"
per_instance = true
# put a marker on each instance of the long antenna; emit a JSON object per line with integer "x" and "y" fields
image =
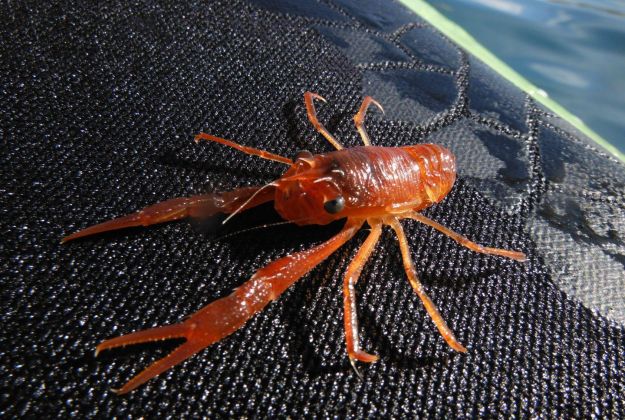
{"x": 266, "y": 225}
{"x": 247, "y": 202}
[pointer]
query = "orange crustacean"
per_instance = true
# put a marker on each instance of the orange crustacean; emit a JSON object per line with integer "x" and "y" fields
{"x": 367, "y": 184}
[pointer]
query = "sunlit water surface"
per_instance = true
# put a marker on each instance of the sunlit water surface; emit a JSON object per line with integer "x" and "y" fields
{"x": 574, "y": 50}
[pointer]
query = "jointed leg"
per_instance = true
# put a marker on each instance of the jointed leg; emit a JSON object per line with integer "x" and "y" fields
{"x": 359, "y": 118}
{"x": 225, "y": 316}
{"x": 179, "y": 208}
{"x": 349, "y": 298}
{"x": 245, "y": 149}
{"x": 515, "y": 255}
{"x": 312, "y": 117}
{"x": 447, "y": 334}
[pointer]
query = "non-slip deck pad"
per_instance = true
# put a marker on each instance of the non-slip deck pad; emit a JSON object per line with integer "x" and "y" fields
{"x": 99, "y": 105}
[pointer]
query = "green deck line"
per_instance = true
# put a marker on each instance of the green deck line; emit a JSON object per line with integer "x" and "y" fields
{"x": 466, "y": 41}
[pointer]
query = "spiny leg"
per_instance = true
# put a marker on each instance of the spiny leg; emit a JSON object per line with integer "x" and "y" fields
{"x": 515, "y": 255}
{"x": 225, "y": 316}
{"x": 178, "y": 208}
{"x": 359, "y": 118}
{"x": 444, "y": 330}
{"x": 245, "y": 149}
{"x": 349, "y": 298}
{"x": 312, "y": 117}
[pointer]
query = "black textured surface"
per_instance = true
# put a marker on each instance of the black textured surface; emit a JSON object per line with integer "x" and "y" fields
{"x": 98, "y": 109}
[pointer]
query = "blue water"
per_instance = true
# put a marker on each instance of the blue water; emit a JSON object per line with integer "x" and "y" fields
{"x": 572, "y": 49}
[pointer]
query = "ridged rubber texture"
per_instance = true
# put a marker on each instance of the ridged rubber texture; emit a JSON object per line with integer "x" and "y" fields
{"x": 99, "y": 106}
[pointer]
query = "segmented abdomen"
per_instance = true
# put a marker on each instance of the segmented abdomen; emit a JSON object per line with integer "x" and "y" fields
{"x": 391, "y": 176}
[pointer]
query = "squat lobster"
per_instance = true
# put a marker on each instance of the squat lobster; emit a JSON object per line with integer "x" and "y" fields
{"x": 376, "y": 185}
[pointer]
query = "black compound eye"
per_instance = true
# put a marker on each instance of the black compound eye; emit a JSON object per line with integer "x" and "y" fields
{"x": 303, "y": 154}
{"x": 334, "y": 206}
